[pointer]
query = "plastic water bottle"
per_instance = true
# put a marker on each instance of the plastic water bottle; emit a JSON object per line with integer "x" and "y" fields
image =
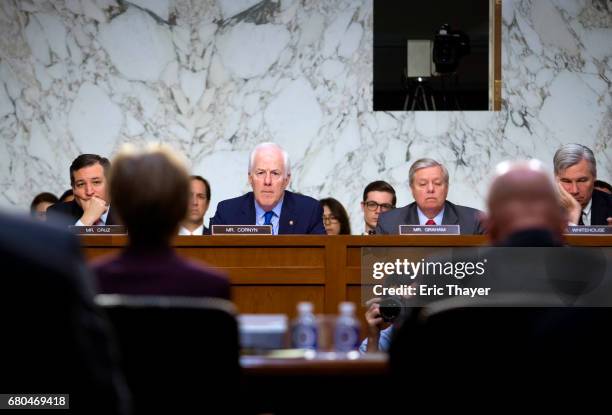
{"x": 304, "y": 334}
{"x": 346, "y": 336}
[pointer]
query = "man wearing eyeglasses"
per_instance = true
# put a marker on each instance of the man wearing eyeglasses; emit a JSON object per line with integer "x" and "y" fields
{"x": 270, "y": 203}
{"x": 429, "y": 185}
{"x": 378, "y": 197}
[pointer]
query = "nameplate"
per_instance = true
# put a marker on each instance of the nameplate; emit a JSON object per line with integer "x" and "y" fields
{"x": 429, "y": 229}
{"x": 241, "y": 230}
{"x": 589, "y": 230}
{"x": 99, "y": 230}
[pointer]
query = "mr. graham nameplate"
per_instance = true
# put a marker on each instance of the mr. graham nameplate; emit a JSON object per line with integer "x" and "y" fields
{"x": 429, "y": 229}
{"x": 241, "y": 230}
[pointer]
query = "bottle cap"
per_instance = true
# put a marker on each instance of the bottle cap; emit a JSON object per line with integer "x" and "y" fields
{"x": 304, "y": 307}
{"x": 347, "y": 308}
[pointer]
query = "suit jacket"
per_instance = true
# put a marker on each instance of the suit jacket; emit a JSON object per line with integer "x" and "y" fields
{"x": 59, "y": 341}
{"x": 300, "y": 214}
{"x": 601, "y": 207}
{"x": 68, "y": 213}
{"x": 158, "y": 271}
{"x": 467, "y": 218}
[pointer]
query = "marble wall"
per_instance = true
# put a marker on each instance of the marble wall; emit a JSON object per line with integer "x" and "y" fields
{"x": 215, "y": 77}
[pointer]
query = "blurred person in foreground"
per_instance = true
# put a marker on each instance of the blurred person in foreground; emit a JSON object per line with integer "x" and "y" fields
{"x": 378, "y": 197}
{"x": 576, "y": 173}
{"x": 40, "y": 204}
{"x": 91, "y": 204}
{"x": 199, "y": 199}
{"x": 335, "y": 218}
{"x": 524, "y": 208}
{"x": 152, "y": 214}
{"x": 269, "y": 203}
{"x": 56, "y": 340}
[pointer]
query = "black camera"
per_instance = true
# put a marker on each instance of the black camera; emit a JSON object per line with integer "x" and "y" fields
{"x": 449, "y": 47}
{"x": 391, "y": 307}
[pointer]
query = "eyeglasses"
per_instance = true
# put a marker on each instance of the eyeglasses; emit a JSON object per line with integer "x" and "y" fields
{"x": 372, "y": 206}
{"x": 330, "y": 219}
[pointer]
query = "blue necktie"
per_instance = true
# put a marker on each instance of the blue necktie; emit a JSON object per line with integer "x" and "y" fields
{"x": 268, "y": 218}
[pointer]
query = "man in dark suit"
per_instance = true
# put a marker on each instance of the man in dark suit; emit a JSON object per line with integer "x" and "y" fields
{"x": 270, "y": 203}
{"x": 429, "y": 186}
{"x": 152, "y": 213}
{"x": 576, "y": 172}
{"x": 88, "y": 178}
{"x": 55, "y": 339}
{"x": 199, "y": 199}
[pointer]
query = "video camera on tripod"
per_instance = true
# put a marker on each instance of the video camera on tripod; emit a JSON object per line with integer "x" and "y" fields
{"x": 444, "y": 53}
{"x": 449, "y": 46}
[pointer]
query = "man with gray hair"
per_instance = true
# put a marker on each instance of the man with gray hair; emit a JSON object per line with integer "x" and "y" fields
{"x": 576, "y": 172}
{"x": 429, "y": 185}
{"x": 270, "y": 203}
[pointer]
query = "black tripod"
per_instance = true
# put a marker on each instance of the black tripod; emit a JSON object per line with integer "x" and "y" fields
{"x": 419, "y": 96}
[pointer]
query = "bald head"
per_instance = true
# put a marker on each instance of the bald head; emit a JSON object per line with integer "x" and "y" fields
{"x": 523, "y": 197}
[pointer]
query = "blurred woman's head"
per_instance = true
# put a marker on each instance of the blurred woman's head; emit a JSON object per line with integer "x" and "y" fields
{"x": 150, "y": 190}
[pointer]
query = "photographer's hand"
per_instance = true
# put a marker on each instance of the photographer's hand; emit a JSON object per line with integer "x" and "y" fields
{"x": 375, "y": 323}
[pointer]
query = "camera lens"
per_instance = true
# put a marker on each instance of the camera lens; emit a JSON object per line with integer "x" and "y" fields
{"x": 390, "y": 308}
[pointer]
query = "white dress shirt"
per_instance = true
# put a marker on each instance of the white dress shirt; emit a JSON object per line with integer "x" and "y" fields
{"x": 102, "y": 218}
{"x": 186, "y": 232}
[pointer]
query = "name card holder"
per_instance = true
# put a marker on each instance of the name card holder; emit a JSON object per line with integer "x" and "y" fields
{"x": 429, "y": 229}
{"x": 597, "y": 230}
{"x": 241, "y": 230}
{"x": 99, "y": 230}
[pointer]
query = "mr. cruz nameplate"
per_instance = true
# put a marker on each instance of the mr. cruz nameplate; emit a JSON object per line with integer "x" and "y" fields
{"x": 589, "y": 230}
{"x": 241, "y": 230}
{"x": 99, "y": 230}
{"x": 429, "y": 229}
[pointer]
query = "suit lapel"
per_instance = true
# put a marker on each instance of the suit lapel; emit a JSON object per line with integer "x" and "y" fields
{"x": 286, "y": 223}
{"x": 412, "y": 217}
{"x": 110, "y": 218}
{"x": 248, "y": 210}
{"x": 598, "y": 209}
{"x": 450, "y": 215}
{"x": 76, "y": 210}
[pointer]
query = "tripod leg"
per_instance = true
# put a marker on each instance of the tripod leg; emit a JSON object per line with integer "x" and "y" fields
{"x": 415, "y": 98}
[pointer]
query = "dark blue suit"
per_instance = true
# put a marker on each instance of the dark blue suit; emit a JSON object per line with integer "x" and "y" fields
{"x": 300, "y": 214}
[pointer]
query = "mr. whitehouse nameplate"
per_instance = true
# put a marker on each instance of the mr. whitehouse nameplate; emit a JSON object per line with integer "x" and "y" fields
{"x": 589, "y": 230}
{"x": 99, "y": 230}
{"x": 429, "y": 229}
{"x": 241, "y": 230}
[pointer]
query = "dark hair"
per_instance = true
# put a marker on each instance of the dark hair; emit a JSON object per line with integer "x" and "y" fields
{"x": 339, "y": 212}
{"x": 206, "y": 184}
{"x": 379, "y": 186}
{"x": 602, "y": 184}
{"x": 153, "y": 211}
{"x": 86, "y": 160}
{"x": 65, "y": 195}
{"x": 42, "y": 197}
